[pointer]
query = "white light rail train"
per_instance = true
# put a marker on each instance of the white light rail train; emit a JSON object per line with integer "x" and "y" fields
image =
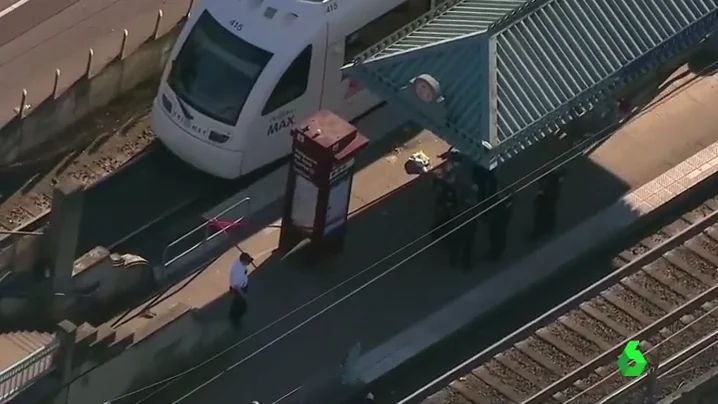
{"x": 243, "y": 72}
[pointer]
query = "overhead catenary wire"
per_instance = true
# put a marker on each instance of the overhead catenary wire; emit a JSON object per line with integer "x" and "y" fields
{"x": 323, "y": 294}
{"x": 427, "y": 387}
{"x": 591, "y": 139}
{"x": 515, "y": 187}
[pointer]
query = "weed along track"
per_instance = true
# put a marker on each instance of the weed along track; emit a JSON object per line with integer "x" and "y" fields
{"x": 663, "y": 293}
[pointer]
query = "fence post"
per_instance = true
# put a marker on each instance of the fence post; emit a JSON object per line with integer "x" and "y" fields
{"x": 63, "y": 232}
{"x": 156, "y": 34}
{"x": 90, "y": 58}
{"x": 123, "y": 47}
{"x": 66, "y": 335}
{"x": 23, "y": 102}
{"x": 56, "y": 84}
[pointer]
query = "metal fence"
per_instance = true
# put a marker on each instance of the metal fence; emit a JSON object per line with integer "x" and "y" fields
{"x": 202, "y": 234}
{"x": 93, "y": 66}
{"x": 22, "y": 374}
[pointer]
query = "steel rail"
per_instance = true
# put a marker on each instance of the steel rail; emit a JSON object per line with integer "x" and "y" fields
{"x": 669, "y": 362}
{"x": 613, "y": 353}
{"x": 568, "y": 305}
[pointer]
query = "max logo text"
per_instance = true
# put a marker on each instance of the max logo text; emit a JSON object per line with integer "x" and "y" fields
{"x": 280, "y": 124}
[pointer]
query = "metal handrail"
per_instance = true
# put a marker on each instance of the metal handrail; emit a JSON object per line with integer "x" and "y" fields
{"x": 205, "y": 228}
{"x": 23, "y": 373}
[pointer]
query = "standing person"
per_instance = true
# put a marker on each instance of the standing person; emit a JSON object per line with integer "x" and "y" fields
{"x": 486, "y": 182}
{"x": 498, "y": 219}
{"x": 546, "y": 203}
{"x": 238, "y": 288}
{"x": 444, "y": 200}
{"x": 464, "y": 238}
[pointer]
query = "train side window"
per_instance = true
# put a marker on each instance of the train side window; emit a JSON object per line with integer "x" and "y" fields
{"x": 368, "y": 35}
{"x": 292, "y": 84}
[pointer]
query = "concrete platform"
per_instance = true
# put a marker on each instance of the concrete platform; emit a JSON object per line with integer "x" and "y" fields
{"x": 302, "y": 321}
{"x": 520, "y": 276}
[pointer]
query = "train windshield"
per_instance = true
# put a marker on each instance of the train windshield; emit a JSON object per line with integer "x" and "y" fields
{"x": 215, "y": 70}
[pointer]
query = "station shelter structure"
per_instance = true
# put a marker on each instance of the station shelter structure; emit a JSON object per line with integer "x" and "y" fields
{"x": 493, "y": 77}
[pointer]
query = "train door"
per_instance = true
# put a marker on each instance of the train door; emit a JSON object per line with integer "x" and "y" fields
{"x": 351, "y": 98}
{"x": 295, "y": 96}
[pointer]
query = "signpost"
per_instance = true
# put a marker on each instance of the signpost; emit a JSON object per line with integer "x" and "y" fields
{"x": 319, "y": 184}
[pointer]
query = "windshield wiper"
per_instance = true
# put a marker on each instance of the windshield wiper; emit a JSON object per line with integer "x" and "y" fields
{"x": 183, "y": 107}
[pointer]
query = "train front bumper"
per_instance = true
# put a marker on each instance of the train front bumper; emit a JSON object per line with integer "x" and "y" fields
{"x": 201, "y": 155}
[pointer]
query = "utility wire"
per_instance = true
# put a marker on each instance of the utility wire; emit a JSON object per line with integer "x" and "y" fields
{"x": 350, "y": 294}
{"x": 697, "y": 76}
{"x": 578, "y": 150}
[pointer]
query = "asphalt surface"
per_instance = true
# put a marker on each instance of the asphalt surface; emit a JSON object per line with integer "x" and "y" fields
{"x": 40, "y": 36}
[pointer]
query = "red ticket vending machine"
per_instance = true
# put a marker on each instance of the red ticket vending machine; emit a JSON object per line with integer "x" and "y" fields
{"x": 316, "y": 203}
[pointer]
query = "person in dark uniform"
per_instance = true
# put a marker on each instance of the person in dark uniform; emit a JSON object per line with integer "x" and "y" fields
{"x": 486, "y": 182}
{"x": 464, "y": 238}
{"x": 546, "y": 203}
{"x": 445, "y": 200}
{"x": 497, "y": 219}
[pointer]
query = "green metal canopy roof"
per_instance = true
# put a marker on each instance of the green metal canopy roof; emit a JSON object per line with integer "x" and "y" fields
{"x": 493, "y": 77}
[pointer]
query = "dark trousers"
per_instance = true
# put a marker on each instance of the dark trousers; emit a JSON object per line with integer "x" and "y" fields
{"x": 441, "y": 216}
{"x": 238, "y": 308}
{"x": 497, "y": 238}
{"x": 544, "y": 215}
{"x": 462, "y": 245}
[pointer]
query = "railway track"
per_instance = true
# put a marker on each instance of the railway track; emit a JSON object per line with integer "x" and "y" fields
{"x": 663, "y": 293}
{"x": 97, "y": 148}
{"x": 130, "y": 181}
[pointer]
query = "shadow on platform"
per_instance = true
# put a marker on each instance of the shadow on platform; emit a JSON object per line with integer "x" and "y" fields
{"x": 523, "y": 308}
{"x": 393, "y": 220}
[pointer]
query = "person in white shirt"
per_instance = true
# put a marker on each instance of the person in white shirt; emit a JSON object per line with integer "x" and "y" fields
{"x": 238, "y": 288}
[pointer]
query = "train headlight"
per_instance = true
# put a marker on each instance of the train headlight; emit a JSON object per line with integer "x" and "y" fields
{"x": 218, "y": 137}
{"x": 166, "y": 103}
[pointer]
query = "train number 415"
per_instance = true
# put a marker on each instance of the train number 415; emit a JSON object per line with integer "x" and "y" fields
{"x": 332, "y": 6}
{"x": 236, "y": 25}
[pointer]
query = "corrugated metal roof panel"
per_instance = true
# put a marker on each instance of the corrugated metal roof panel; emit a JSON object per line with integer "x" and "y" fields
{"x": 510, "y": 80}
{"x": 449, "y": 20}
{"x": 390, "y": 78}
{"x": 563, "y": 49}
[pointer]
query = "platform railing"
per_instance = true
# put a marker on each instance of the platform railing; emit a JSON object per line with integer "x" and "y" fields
{"x": 205, "y": 232}
{"x": 23, "y": 373}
